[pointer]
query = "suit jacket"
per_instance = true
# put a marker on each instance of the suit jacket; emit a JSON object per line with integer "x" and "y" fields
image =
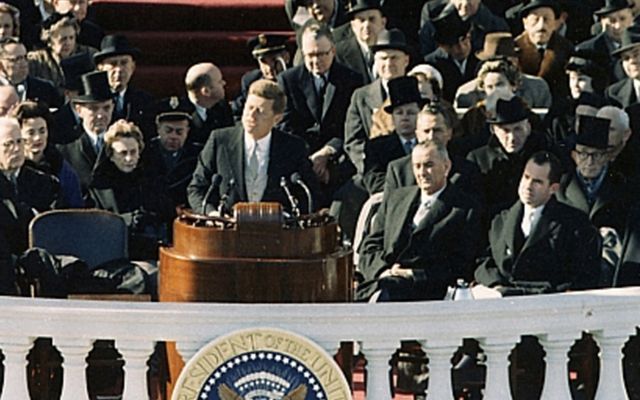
{"x": 379, "y": 153}
{"x": 219, "y": 116}
{"x": 137, "y": 102}
{"x": 318, "y": 122}
{"x": 622, "y": 93}
{"x": 83, "y": 158}
{"x": 551, "y": 66}
{"x": 348, "y": 52}
{"x": 603, "y": 45}
{"x": 611, "y": 203}
{"x": 561, "y": 253}
{"x": 41, "y": 90}
{"x": 439, "y": 250}
{"x": 628, "y": 268}
{"x": 451, "y": 74}
{"x": 364, "y": 102}
{"x": 223, "y": 154}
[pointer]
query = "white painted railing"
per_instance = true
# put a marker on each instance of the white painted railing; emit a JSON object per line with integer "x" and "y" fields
{"x": 611, "y": 316}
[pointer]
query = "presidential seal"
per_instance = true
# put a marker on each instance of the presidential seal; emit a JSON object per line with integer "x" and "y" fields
{"x": 261, "y": 364}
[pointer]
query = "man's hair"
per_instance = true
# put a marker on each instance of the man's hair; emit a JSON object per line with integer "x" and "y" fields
{"x": 436, "y": 108}
{"x": 615, "y": 114}
{"x": 64, "y": 22}
{"x": 271, "y": 91}
{"x": 317, "y": 30}
{"x": 555, "y": 167}
{"x": 119, "y": 130}
{"x": 7, "y": 41}
{"x": 441, "y": 149}
{"x": 503, "y": 67}
{"x": 30, "y": 109}
{"x": 15, "y": 16}
{"x": 10, "y": 122}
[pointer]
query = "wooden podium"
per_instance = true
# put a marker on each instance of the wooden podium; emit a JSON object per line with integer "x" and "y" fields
{"x": 255, "y": 257}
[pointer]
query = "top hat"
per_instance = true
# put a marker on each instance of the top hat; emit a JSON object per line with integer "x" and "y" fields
{"x": 509, "y": 111}
{"x": 497, "y": 45}
{"x": 593, "y": 132}
{"x": 630, "y": 39}
{"x": 355, "y": 6}
{"x": 526, "y": 8}
{"x": 173, "y": 109}
{"x": 115, "y": 45}
{"x": 54, "y": 18}
{"x": 264, "y": 44}
{"x": 391, "y": 39}
{"x": 611, "y": 6}
{"x": 449, "y": 27}
{"x": 73, "y": 68}
{"x": 403, "y": 90}
{"x": 95, "y": 87}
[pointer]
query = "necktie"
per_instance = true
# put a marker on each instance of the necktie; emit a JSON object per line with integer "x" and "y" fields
{"x": 527, "y": 223}
{"x": 118, "y": 101}
{"x": 99, "y": 144}
{"x": 253, "y": 166}
{"x": 422, "y": 212}
{"x": 14, "y": 184}
{"x": 541, "y": 52}
{"x": 408, "y": 146}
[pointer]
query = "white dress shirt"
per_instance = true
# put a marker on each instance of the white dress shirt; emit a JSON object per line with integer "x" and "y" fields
{"x": 530, "y": 219}
{"x": 256, "y": 185}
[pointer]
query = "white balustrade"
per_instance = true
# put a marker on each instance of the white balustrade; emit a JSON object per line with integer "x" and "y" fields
{"x": 611, "y": 316}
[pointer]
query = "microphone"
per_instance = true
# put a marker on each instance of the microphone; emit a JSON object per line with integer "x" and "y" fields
{"x": 225, "y": 196}
{"x": 216, "y": 180}
{"x": 296, "y": 179}
{"x": 294, "y": 203}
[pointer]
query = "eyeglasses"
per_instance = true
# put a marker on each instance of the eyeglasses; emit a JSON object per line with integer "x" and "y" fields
{"x": 16, "y": 59}
{"x": 595, "y": 156}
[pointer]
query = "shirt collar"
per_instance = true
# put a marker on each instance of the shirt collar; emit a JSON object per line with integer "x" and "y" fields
{"x": 264, "y": 144}
{"x": 537, "y": 211}
{"x": 431, "y": 198}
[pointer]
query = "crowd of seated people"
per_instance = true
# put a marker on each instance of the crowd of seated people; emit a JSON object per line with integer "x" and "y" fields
{"x": 473, "y": 108}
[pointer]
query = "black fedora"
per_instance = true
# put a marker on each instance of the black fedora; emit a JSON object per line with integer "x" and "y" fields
{"x": 115, "y": 45}
{"x": 391, "y": 39}
{"x": 450, "y": 28}
{"x": 55, "y": 18}
{"x": 588, "y": 62}
{"x": 611, "y": 6}
{"x": 173, "y": 108}
{"x": 403, "y": 90}
{"x": 355, "y": 6}
{"x": 593, "y": 132}
{"x": 95, "y": 87}
{"x": 509, "y": 111}
{"x": 266, "y": 43}
{"x": 527, "y": 7}
{"x": 630, "y": 39}
{"x": 73, "y": 68}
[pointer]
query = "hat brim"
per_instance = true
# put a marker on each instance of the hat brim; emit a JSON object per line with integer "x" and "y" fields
{"x": 90, "y": 99}
{"x": 173, "y": 116}
{"x": 101, "y": 55}
{"x": 354, "y": 11}
{"x": 421, "y": 102}
{"x": 391, "y": 46}
{"x": 511, "y": 120}
{"x": 482, "y": 56}
{"x": 624, "y": 48}
{"x": 524, "y": 11}
{"x": 608, "y": 10}
{"x": 262, "y": 52}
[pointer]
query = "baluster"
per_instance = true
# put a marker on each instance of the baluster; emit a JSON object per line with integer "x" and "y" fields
{"x": 135, "y": 354}
{"x": 188, "y": 349}
{"x": 439, "y": 353}
{"x": 74, "y": 353}
{"x": 611, "y": 384}
{"x": 497, "y": 350}
{"x": 378, "y": 355}
{"x": 15, "y": 351}
{"x": 556, "y": 379}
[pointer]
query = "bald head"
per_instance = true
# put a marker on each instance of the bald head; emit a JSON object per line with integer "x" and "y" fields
{"x": 204, "y": 84}
{"x": 8, "y": 99}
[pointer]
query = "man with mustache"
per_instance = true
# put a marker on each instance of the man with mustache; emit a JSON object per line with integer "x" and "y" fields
{"x": 543, "y": 52}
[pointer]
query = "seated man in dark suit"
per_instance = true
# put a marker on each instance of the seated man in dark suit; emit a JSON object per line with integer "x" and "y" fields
{"x": 423, "y": 238}
{"x": 255, "y": 155}
{"x": 626, "y": 92}
{"x": 270, "y": 51}
{"x": 540, "y": 245}
{"x": 14, "y": 71}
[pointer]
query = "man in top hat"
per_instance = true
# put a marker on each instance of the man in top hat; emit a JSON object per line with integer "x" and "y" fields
{"x": 483, "y": 21}
{"x": 318, "y": 94}
{"x": 615, "y": 16}
{"x": 511, "y": 144}
{"x": 404, "y": 108}
{"x": 626, "y": 92}
{"x": 118, "y": 58}
{"x": 453, "y": 57}
{"x": 95, "y": 109}
{"x": 14, "y": 71}
{"x": 65, "y": 119}
{"x": 270, "y": 51}
{"x": 204, "y": 85}
{"x": 255, "y": 154}
{"x": 169, "y": 158}
{"x": 543, "y": 52}
{"x": 424, "y": 237}
{"x": 354, "y": 51}
{"x": 624, "y": 147}
{"x": 540, "y": 245}
{"x": 497, "y": 45}
{"x": 592, "y": 187}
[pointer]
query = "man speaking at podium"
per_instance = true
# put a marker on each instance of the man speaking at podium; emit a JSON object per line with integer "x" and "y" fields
{"x": 252, "y": 161}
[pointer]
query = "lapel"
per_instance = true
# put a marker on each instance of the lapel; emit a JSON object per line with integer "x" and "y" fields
{"x": 329, "y": 91}
{"x": 576, "y": 196}
{"x": 277, "y": 160}
{"x": 402, "y": 209}
{"x": 605, "y": 195}
{"x": 373, "y": 98}
{"x": 542, "y": 228}
{"x": 234, "y": 152}
{"x": 307, "y": 85}
{"x": 87, "y": 150}
{"x": 439, "y": 209}
{"x": 356, "y": 58}
{"x": 106, "y": 199}
{"x": 627, "y": 93}
{"x": 512, "y": 221}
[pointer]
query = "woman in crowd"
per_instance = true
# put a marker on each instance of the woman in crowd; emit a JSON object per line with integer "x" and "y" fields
{"x": 35, "y": 119}
{"x": 119, "y": 185}
{"x": 60, "y": 34}
{"x": 9, "y": 20}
